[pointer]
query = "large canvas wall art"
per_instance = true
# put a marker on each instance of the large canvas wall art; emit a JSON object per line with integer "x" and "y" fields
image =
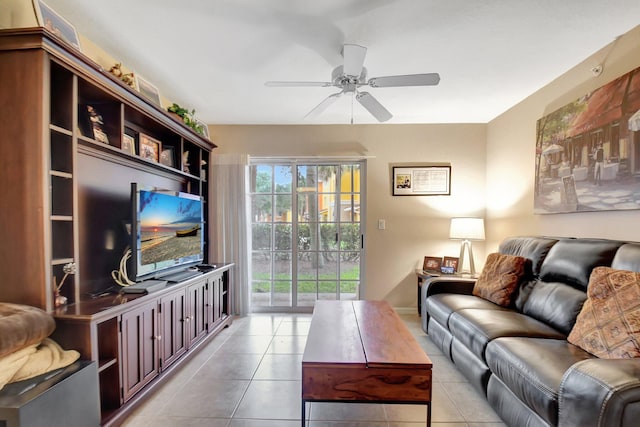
{"x": 588, "y": 151}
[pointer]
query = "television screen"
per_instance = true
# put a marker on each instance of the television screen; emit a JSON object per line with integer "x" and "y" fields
{"x": 168, "y": 230}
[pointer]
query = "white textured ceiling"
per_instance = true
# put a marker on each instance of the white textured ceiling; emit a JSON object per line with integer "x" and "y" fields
{"x": 215, "y": 55}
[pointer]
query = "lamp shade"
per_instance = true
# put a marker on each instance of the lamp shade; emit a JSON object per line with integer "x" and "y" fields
{"x": 467, "y": 228}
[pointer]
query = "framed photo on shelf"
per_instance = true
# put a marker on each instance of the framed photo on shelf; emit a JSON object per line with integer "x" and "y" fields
{"x": 166, "y": 157}
{"x": 205, "y": 128}
{"x": 129, "y": 144}
{"x": 150, "y": 148}
{"x": 432, "y": 263}
{"x": 421, "y": 181}
{"x": 49, "y": 19}
{"x": 147, "y": 90}
{"x": 450, "y": 263}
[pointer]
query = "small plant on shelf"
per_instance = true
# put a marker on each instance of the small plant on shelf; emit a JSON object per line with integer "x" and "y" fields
{"x": 187, "y": 116}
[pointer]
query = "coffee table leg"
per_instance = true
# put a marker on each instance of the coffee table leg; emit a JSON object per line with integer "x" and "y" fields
{"x": 303, "y": 414}
{"x": 429, "y": 415}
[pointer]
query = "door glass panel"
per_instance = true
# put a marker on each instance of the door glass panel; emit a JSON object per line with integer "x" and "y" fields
{"x": 261, "y": 179}
{"x": 261, "y": 237}
{"x": 283, "y": 208}
{"x": 282, "y": 237}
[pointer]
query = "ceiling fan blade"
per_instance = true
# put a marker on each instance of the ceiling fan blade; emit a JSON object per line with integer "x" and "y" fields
{"x": 297, "y": 84}
{"x": 429, "y": 79}
{"x": 320, "y": 108}
{"x": 353, "y": 59}
{"x": 373, "y": 106}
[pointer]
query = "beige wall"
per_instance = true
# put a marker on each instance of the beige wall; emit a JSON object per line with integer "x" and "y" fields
{"x": 415, "y": 226}
{"x": 511, "y": 152}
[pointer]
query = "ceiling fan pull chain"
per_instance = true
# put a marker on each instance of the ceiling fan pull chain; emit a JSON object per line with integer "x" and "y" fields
{"x": 352, "y": 95}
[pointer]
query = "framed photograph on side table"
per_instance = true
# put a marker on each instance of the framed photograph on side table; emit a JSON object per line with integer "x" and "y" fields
{"x": 129, "y": 144}
{"x": 432, "y": 264}
{"x": 150, "y": 148}
{"x": 450, "y": 263}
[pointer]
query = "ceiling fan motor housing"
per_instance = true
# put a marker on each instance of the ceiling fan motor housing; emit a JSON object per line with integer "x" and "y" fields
{"x": 348, "y": 83}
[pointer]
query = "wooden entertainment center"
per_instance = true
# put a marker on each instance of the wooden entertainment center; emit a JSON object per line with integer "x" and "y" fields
{"x": 66, "y": 198}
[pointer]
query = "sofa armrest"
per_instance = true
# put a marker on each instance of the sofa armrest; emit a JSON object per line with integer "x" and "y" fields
{"x": 601, "y": 392}
{"x": 448, "y": 285}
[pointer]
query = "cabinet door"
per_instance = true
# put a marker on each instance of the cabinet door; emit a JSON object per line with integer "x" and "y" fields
{"x": 139, "y": 348}
{"x": 173, "y": 343}
{"x": 217, "y": 298}
{"x": 197, "y": 312}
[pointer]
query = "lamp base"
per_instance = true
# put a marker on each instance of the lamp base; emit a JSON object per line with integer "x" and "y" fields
{"x": 464, "y": 247}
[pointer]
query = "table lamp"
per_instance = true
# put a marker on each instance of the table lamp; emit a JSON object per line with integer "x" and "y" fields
{"x": 467, "y": 229}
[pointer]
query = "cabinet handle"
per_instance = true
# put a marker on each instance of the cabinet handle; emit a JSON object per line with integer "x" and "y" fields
{"x": 159, "y": 337}
{"x": 187, "y": 319}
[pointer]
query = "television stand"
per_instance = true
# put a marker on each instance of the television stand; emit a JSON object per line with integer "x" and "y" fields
{"x": 180, "y": 276}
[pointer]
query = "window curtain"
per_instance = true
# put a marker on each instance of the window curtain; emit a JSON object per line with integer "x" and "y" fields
{"x": 229, "y": 236}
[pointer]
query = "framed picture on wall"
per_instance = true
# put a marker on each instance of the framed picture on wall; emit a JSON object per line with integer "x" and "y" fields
{"x": 150, "y": 148}
{"x": 421, "y": 180}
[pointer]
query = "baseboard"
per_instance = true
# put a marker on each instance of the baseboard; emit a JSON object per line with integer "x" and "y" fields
{"x": 406, "y": 310}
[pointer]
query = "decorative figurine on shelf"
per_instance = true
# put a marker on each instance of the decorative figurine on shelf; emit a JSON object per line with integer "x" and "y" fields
{"x": 127, "y": 78}
{"x": 185, "y": 162}
{"x": 60, "y": 300}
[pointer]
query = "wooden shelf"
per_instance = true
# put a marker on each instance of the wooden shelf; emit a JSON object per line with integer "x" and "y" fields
{"x": 106, "y": 364}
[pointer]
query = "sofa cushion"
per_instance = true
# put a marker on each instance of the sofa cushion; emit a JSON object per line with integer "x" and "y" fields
{"x": 533, "y": 248}
{"x": 627, "y": 257}
{"x": 441, "y": 306}
{"x": 476, "y": 327}
{"x": 555, "y": 304}
{"x": 571, "y": 261}
{"x": 500, "y": 278}
{"x": 609, "y": 324}
{"x": 532, "y": 368}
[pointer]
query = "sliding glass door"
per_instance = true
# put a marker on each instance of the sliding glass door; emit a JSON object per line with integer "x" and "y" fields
{"x": 307, "y": 234}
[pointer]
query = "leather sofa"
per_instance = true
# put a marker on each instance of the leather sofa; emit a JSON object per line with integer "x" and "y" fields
{"x": 518, "y": 356}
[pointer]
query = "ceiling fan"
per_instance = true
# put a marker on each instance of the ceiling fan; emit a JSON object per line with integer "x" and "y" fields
{"x": 350, "y": 76}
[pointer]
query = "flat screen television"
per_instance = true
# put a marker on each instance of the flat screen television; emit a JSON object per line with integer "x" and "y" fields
{"x": 167, "y": 231}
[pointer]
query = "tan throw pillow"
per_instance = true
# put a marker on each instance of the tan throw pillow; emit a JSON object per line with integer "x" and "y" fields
{"x": 608, "y": 325}
{"x": 500, "y": 278}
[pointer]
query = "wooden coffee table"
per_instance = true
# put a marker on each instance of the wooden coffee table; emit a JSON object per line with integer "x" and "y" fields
{"x": 362, "y": 352}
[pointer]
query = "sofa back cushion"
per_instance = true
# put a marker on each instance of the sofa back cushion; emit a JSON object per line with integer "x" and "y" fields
{"x": 627, "y": 257}
{"x": 535, "y": 249}
{"x": 555, "y": 304}
{"x": 571, "y": 261}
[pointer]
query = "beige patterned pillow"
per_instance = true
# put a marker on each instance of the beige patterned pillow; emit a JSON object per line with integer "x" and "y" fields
{"x": 608, "y": 325}
{"x": 500, "y": 278}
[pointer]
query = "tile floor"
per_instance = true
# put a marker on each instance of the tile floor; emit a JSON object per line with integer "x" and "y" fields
{"x": 249, "y": 376}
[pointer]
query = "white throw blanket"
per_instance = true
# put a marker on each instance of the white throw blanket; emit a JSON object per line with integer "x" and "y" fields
{"x": 34, "y": 360}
